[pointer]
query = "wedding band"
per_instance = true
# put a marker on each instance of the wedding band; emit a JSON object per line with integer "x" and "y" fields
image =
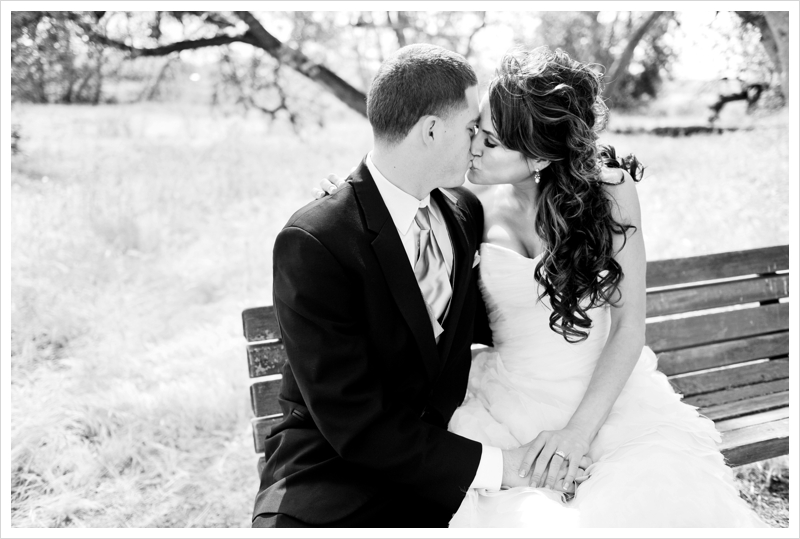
{"x": 560, "y": 454}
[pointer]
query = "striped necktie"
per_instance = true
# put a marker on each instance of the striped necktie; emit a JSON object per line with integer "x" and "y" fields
{"x": 431, "y": 272}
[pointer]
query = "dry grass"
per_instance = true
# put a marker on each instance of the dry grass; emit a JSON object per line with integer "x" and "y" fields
{"x": 765, "y": 486}
{"x": 141, "y": 232}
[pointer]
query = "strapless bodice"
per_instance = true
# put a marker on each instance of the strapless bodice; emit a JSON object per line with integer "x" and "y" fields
{"x": 520, "y": 320}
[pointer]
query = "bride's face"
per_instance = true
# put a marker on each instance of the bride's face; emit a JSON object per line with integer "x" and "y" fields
{"x": 492, "y": 163}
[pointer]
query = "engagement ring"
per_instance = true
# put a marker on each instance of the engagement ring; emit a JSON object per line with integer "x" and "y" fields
{"x": 560, "y": 454}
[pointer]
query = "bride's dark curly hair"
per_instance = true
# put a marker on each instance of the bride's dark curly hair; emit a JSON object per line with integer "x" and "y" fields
{"x": 547, "y": 106}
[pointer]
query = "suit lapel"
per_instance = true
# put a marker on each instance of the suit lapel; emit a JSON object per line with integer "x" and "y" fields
{"x": 456, "y": 226}
{"x": 393, "y": 261}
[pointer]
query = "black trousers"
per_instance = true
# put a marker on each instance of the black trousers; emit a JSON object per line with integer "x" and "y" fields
{"x": 380, "y": 513}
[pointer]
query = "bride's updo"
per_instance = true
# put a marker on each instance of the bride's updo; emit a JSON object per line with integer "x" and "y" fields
{"x": 547, "y": 106}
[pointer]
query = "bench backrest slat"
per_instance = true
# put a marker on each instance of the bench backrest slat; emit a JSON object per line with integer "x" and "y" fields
{"x": 760, "y": 442}
{"x": 712, "y": 296}
{"x": 717, "y": 266}
{"x": 750, "y": 420}
{"x": 715, "y": 398}
{"x": 717, "y": 327}
{"x": 720, "y": 354}
{"x": 718, "y": 380}
{"x": 260, "y": 324}
{"x": 264, "y": 398}
{"x": 740, "y": 408}
{"x": 261, "y": 426}
{"x": 265, "y": 358}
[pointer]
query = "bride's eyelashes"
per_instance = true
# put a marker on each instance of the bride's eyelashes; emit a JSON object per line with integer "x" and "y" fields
{"x": 489, "y": 144}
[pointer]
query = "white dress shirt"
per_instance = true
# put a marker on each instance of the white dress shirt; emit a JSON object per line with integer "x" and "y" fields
{"x": 403, "y": 208}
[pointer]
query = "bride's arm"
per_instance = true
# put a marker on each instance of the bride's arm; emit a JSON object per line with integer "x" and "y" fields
{"x": 620, "y": 354}
{"x": 627, "y": 335}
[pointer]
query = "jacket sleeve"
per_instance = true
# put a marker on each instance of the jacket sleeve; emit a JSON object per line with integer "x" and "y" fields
{"x": 482, "y": 333}
{"x": 340, "y": 383}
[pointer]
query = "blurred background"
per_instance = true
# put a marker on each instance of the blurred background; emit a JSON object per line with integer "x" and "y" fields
{"x": 157, "y": 154}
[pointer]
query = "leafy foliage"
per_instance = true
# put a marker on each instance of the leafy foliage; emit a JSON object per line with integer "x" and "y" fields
{"x": 592, "y": 36}
{"x": 53, "y": 59}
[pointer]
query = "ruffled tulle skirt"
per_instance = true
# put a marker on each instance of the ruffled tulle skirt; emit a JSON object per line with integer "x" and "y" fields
{"x": 656, "y": 462}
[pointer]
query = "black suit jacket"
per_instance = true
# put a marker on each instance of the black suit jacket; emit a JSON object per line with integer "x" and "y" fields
{"x": 367, "y": 392}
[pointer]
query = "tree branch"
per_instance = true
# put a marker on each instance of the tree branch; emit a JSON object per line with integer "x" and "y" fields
{"x": 482, "y": 25}
{"x": 217, "y": 19}
{"x": 173, "y": 47}
{"x": 256, "y": 36}
{"x": 301, "y": 63}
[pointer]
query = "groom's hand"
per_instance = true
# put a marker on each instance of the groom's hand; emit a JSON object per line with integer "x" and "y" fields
{"x": 328, "y": 186}
{"x": 512, "y": 458}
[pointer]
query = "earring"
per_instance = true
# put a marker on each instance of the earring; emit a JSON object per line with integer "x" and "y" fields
{"x": 536, "y": 176}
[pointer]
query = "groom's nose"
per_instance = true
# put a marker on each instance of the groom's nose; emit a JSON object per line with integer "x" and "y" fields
{"x": 474, "y": 148}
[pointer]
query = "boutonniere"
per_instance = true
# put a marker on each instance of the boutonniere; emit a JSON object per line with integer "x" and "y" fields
{"x": 476, "y": 260}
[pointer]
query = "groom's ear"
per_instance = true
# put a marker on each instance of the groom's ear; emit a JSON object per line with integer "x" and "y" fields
{"x": 429, "y": 129}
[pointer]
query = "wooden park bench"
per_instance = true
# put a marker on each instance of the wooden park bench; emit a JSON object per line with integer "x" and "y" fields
{"x": 718, "y": 323}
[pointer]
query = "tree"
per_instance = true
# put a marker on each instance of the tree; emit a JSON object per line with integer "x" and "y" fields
{"x": 439, "y": 28}
{"x": 619, "y": 68}
{"x": 628, "y": 45}
{"x": 774, "y": 29}
{"x": 52, "y": 59}
{"x": 235, "y": 27}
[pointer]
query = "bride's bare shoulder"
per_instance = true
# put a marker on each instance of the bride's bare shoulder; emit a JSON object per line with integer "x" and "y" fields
{"x": 613, "y": 176}
{"x": 621, "y": 190}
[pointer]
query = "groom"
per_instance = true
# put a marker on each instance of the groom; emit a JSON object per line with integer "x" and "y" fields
{"x": 375, "y": 292}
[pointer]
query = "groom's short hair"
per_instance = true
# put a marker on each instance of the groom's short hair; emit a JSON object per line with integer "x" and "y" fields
{"x": 417, "y": 80}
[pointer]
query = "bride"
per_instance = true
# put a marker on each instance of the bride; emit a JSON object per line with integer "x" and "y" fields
{"x": 562, "y": 274}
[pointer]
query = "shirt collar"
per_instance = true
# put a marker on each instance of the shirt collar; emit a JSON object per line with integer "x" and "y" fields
{"x": 402, "y": 206}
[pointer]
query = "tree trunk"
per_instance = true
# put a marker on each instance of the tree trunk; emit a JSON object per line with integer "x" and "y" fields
{"x": 596, "y": 37}
{"x": 468, "y": 48}
{"x": 620, "y": 66}
{"x": 78, "y": 93}
{"x": 778, "y": 22}
{"x": 399, "y": 26}
{"x": 98, "y": 89}
{"x": 150, "y": 91}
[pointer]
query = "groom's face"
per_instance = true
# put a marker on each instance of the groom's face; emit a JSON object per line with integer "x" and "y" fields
{"x": 453, "y": 155}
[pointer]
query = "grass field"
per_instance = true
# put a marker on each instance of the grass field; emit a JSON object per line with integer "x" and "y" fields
{"x": 139, "y": 234}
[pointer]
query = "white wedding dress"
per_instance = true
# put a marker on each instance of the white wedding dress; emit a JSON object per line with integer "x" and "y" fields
{"x": 656, "y": 462}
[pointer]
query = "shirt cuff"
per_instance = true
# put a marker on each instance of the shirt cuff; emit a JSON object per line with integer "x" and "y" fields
{"x": 490, "y": 469}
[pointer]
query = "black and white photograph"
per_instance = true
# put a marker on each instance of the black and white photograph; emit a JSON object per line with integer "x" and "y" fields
{"x": 520, "y": 270}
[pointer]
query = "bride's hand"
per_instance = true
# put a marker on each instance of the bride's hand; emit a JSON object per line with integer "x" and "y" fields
{"x": 511, "y": 466}
{"x": 328, "y": 186}
{"x": 541, "y": 456}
